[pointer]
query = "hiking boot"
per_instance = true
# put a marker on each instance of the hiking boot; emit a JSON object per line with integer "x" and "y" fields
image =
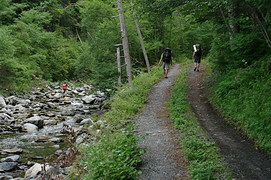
{"x": 195, "y": 69}
{"x": 198, "y": 70}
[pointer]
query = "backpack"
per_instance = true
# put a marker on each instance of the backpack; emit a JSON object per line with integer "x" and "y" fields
{"x": 197, "y": 49}
{"x": 167, "y": 56}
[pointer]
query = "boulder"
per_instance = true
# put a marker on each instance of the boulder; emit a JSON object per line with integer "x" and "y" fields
{"x": 88, "y": 99}
{"x": 30, "y": 128}
{"x": 52, "y": 105}
{"x": 58, "y": 95}
{"x": 12, "y": 151}
{"x": 101, "y": 94}
{"x": 7, "y": 166}
{"x": 56, "y": 140}
{"x": 68, "y": 112}
{"x": 33, "y": 171}
{"x": 81, "y": 138}
{"x": 36, "y": 120}
{"x": 85, "y": 121}
{"x": 14, "y": 158}
{"x": 4, "y": 117}
{"x": 50, "y": 122}
{"x": 2, "y": 102}
{"x": 6, "y": 177}
{"x": 87, "y": 87}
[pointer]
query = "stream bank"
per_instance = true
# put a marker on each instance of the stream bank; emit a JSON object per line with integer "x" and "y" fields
{"x": 40, "y": 130}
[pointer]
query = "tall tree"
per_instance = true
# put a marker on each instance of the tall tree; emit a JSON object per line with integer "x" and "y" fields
{"x": 125, "y": 43}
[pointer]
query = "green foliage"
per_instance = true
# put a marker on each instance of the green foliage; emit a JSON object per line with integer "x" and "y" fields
{"x": 243, "y": 96}
{"x": 129, "y": 100}
{"x": 113, "y": 157}
{"x": 202, "y": 156}
{"x": 115, "y": 154}
{"x": 12, "y": 71}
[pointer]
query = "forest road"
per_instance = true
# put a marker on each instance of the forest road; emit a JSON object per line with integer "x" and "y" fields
{"x": 162, "y": 159}
{"x": 238, "y": 152}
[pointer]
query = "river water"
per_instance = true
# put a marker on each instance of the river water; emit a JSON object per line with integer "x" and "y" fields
{"x": 38, "y": 127}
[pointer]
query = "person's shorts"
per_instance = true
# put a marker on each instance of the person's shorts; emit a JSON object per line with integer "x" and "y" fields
{"x": 197, "y": 59}
{"x": 166, "y": 65}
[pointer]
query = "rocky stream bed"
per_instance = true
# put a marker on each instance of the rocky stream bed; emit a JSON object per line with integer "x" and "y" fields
{"x": 39, "y": 130}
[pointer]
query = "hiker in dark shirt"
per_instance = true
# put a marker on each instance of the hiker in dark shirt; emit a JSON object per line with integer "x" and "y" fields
{"x": 197, "y": 54}
{"x": 166, "y": 58}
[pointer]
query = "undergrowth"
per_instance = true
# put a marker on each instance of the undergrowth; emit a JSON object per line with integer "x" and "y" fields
{"x": 204, "y": 161}
{"x": 115, "y": 154}
{"x": 243, "y": 96}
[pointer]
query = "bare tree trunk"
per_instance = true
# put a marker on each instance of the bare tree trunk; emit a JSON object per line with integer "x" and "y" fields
{"x": 140, "y": 38}
{"x": 119, "y": 66}
{"x": 125, "y": 42}
{"x": 254, "y": 14}
{"x": 233, "y": 12}
{"x": 225, "y": 21}
{"x": 78, "y": 36}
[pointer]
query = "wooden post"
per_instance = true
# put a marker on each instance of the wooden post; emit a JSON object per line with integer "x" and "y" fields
{"x": 119, "y": 66}
{"x": 140, "y": 37}
{"x": 125, "y": 42}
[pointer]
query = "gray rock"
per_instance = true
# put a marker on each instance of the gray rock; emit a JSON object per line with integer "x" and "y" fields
{"x": 58, "y": 152}
{"x": 13, "y": 100}
{"x": 37, "y": 120}
{"x": 14, "y": 158}
{"x": 50, "y": 122}
{"x": 24, "y": 102}
{"x": 85, "y": 121}
{"x": 52, "y": 105}
{"x": 81, "y": 138}
{"x": 7, "y": 166}
{"x": 94, "y": 107}
{"x": 88, "y": 99}
{"x": 78, "y": 118}
{"x": 56, "y": 140}
{"x": 19, "y": 108}
{"x": 30, "y": 128}
{"x": 68, "y": 112}
{"x": 87, "y": 87}
{"x": 58, "y": 95}
{"x": 99, "y": 93}
{"x": 2, "y": 102}
{"x": 56, "y": 146}
{"x": 6, "y": 178}
{"x": 5, "y": 117}
{"x": 33, "y": 171}
{"x": 12, "y": 151}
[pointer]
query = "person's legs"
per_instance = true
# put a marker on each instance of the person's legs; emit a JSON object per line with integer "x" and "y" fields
{"x": 166, "y": 73}
{"x": 195, "y": 66}
{"x": 198, "y": 65}
{"x": 166, "y": 68}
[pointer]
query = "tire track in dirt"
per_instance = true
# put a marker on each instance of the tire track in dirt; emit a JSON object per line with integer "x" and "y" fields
{"x": 239, "y": 153}
{"x": 162, "y": 159}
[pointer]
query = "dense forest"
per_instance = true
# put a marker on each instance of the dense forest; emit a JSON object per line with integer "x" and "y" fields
{"x": 57, "y": 40}
{"x": 75, "y": 40}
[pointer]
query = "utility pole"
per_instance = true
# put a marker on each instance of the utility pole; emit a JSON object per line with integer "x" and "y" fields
{"x": 140, "y": 37}
{"x": 125, "y": 42}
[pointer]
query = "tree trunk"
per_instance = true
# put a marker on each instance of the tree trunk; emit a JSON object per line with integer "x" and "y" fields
{"x": 125, "y": 42}
{"x": 255, "y": 17}
{"x": 140, "y": 38}
{"x": 233, "y": 12}
{"x": 119, "y": 66}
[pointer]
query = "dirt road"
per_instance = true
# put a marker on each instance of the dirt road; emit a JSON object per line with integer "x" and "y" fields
{"x": 162, "y": 160}
{"x": 239, "y": 153}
